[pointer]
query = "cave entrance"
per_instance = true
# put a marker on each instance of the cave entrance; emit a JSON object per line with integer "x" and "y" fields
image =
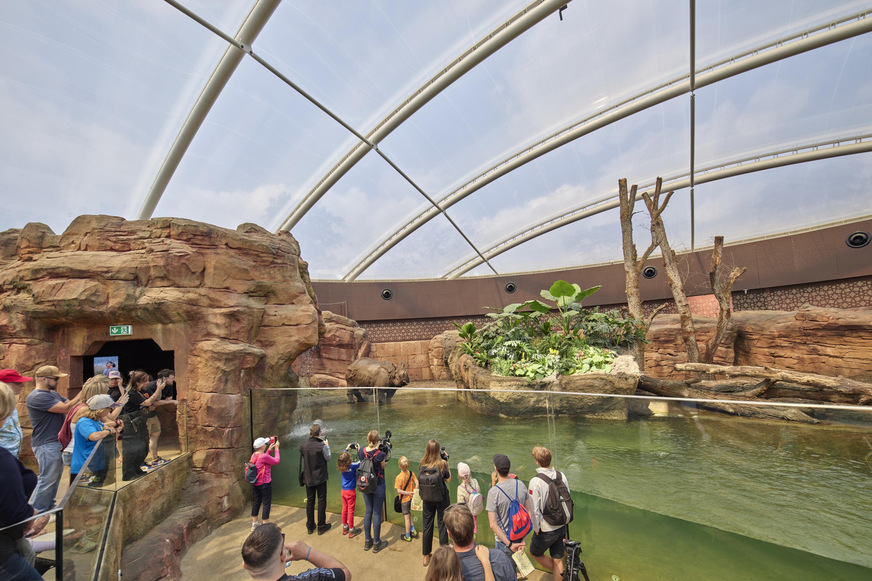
{"x": 128, "y": 355}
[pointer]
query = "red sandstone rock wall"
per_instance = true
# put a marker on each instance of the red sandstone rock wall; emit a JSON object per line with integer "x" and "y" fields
{"x": 342, "y": 341}
{"x": 235, "y": 306}
{"x": 814, "y": 340}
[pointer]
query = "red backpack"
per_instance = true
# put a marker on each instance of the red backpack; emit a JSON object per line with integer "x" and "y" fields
{"x": 519, "y": 519}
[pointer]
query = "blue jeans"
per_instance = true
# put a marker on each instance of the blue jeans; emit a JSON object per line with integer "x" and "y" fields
{"x": 51, "y": 466}
{"x": 373, "y": 515}
{"x": 16, "y": 569}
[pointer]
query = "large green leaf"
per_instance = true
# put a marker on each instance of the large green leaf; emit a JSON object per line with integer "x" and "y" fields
{"x": 580, "y": 295}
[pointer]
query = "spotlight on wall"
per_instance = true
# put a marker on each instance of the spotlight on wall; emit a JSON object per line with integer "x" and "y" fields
{"x": 511, "y": 287}
{"x": 387, "y": 294}
{"x": 857, "y": 239}
{"x": 649, "y": 272}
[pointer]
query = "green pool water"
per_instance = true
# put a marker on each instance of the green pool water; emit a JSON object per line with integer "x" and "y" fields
{"x": 694, "y": 496}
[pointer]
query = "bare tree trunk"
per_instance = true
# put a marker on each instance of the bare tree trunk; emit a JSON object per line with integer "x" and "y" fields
{"x": 658, "y": 237}
{"x": 721, "y": 289}
{"x": 632, "y": 265}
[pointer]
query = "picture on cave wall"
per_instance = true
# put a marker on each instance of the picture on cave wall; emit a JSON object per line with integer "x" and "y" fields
{"x": 105, "y": 364}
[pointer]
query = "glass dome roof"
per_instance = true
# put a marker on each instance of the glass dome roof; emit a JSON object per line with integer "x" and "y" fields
{"x": 439, "y": 139}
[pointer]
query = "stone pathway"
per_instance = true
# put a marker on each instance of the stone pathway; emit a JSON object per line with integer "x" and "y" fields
{"x": 218, "y": 555}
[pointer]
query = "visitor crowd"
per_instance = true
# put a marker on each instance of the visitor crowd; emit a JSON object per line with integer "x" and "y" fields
{"x": 514, "y": 510}
{"x": 65, "y": 432}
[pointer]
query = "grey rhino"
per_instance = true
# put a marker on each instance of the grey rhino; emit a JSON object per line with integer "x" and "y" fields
{"x": 366, "y": 372}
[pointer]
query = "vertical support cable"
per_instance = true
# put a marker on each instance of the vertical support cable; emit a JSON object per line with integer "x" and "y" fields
{"x": 692, "y": 120}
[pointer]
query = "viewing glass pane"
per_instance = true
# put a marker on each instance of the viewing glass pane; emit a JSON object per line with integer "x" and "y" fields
{"x": 632, "y": 482}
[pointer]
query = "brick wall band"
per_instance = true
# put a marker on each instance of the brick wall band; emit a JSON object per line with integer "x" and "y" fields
{"x": 839, "y": 294}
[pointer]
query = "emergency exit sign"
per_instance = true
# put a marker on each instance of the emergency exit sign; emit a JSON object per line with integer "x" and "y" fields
{"x": 115, "y": 330}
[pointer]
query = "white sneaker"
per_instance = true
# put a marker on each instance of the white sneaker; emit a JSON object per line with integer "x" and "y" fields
{"x": 253, "y": 525}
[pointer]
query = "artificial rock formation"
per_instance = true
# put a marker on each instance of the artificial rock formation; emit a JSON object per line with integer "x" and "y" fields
{"x": 236, "y": 307}
{"x": 824, "y": 341}
{"x": 342, "y": 341}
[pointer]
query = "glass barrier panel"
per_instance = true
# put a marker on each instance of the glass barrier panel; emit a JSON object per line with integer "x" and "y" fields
{"x": 662, "y": 489}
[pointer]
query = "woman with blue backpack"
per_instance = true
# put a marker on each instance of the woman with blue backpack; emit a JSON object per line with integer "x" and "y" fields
{"x": 433, "y": 481}
{"x": 371, "y": 482}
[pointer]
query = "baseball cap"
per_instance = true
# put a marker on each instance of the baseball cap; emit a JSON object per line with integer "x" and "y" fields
{"x": 49, "y": 371}
{"x": 114, "y": 374}
{"x": 100, "y": 401}
{"x": 260, "y": 442}
{"x": 12, "y": 376}
{"x": 501, "y": 462}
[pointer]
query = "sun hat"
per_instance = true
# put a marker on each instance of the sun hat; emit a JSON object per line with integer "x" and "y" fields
{"x": 49, "y": 371}
{"x": 260, "y": 442}
{"x": 100, "y": 401}
{"x": 12, "y": 376}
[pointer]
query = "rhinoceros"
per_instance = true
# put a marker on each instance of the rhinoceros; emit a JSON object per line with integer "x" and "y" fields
{"x": 366, "y": 372}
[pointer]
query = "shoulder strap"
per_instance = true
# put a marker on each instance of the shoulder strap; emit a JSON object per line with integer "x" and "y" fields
{"x": 409, "y": 479}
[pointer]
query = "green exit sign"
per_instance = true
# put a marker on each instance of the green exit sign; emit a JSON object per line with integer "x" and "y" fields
{"x": 115, "y": 330}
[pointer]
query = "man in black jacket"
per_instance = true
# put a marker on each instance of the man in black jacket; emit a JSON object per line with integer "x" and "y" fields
{"x": 316, "y": 453}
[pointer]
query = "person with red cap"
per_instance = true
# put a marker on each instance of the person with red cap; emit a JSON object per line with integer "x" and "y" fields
{"x": 47, "y": 408}
{"x": 10, "y": 432}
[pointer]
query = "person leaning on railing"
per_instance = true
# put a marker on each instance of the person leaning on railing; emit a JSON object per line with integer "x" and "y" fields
{"x": 134, "y": 442}
{"x": 16, "y": 485}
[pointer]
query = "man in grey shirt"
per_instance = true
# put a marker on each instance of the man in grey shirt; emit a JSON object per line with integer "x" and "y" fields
{"x": 461, "y": 529}
{"x": 505, "y": 489}
{"x": 47, "y": 409}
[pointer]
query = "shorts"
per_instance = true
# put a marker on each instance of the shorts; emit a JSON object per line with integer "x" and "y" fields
{"x": 153, "y": 426}
{"x": 407, "y": 507}
{"x": 551, "y": 540}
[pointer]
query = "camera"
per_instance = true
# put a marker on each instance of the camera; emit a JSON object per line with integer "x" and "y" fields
{"x": 272, "y": 440}
{"x": 385, "y": 444}
{"x": 574, "y": 564}
{"x": 443, "y": 453}
{"x": 353, "y": 446}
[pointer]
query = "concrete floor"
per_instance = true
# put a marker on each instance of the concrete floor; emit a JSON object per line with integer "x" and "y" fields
{"x": 218, "y": 555}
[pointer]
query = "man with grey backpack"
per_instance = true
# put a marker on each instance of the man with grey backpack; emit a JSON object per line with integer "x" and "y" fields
{"x": 551, "y": 514}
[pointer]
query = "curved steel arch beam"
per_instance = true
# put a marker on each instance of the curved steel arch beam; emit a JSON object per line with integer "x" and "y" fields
{"x": 782, "y": 158}
{"x": 505, "y": 33}
{"x": 850, "y": 27}
{"x": 252, "y": 25}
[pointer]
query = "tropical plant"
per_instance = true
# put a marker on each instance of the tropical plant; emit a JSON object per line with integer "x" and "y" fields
{"x": 535, "y": 339}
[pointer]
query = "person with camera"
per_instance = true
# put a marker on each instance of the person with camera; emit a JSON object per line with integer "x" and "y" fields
{"x": 266, "y": 554}
{"x": 433, "y": 481}
{"x": 378, "y": 453}
{"x": 316, "y": 453}
{"x": 262, "y": 460}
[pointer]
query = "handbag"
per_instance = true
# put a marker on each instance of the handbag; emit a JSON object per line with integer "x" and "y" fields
{"x": 398, "y": 503}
